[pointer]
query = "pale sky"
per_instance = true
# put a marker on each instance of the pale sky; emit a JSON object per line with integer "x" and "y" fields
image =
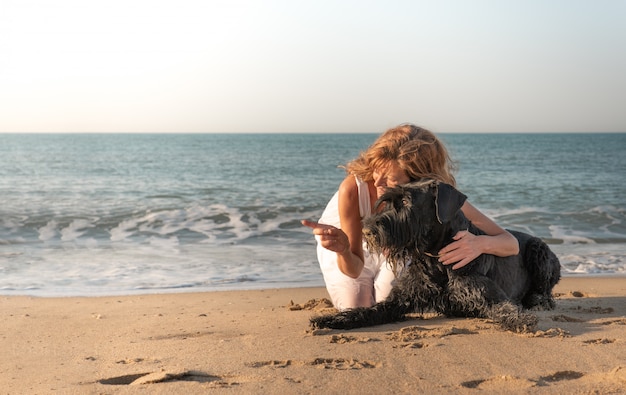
{"x": 312, "y": 66}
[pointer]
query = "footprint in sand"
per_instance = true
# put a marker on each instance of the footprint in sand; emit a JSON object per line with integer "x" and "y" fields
{"x": 273, "y": 364}
{"x": 325, "y": 363}
{"x": 560, "y": 376}
{"x": 129, "y": 361}
{"x": 618, "y": 321}
{"x": 123, "y": 380}
{"x": 601, "y": 310}
{"x": 412, "y": 345}
{"x": 182, "y": 336}
{"x": 343, "y": 339}
{"x": 410, "y": 337}
{"x": 343, "y": 364}
{"x": 498, "y": 384}
{"x": 552, "y": 332}
{"x": 411, "y": 333}
{"x": 502, "y": 383}
{"x": 600, "y": 341}
{"x": 593, "y": 310}
{"x": 162, "y": 377}
{"x": 565, "y": 318}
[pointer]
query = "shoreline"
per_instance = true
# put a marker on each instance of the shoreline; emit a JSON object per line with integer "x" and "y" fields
{"x": 261, "y": 287}
{"x": 258, "y": 341}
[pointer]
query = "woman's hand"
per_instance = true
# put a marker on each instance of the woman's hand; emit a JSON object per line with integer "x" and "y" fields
{"x": 331, "y": 238}
{"x": 462, "y": 251}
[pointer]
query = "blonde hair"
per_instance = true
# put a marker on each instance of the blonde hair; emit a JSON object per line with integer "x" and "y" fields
{"x": 416, "y": 150}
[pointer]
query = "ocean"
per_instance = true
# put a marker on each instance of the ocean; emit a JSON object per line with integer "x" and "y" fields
{"x": 116, "y": 214}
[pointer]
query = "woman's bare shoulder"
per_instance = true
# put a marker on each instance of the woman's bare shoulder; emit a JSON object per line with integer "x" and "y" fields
{"x": 348, "y": 186}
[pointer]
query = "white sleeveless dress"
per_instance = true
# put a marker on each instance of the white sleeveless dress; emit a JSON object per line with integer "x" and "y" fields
{"x": 376, "y": 279}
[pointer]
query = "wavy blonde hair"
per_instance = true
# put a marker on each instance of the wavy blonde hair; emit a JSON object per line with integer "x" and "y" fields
{"x": 416, "y": 150}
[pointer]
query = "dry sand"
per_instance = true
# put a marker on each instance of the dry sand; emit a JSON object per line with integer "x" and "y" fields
{"x": 255, "y": 342}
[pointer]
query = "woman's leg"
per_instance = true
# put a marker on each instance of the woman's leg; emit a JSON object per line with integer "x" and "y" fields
{"x": 384, "y": 280}
{"x": 345, "y": 292}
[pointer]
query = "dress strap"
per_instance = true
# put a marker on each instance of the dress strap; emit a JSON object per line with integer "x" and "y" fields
{"x": 365, "y": 206}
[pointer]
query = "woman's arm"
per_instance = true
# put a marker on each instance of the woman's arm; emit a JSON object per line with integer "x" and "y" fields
{"x": 350, "y": 260}
{"x": 346, "y": 242}
{"x": 468, "y": 247}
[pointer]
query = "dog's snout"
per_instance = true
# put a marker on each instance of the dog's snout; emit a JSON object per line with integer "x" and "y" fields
{"x": 369, "y": 236}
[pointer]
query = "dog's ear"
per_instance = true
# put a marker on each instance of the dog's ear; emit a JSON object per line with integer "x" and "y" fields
{"x": 448, "y": 201}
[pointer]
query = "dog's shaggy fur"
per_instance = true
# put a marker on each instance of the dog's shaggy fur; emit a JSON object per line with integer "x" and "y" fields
{"x": 418, "y": 220}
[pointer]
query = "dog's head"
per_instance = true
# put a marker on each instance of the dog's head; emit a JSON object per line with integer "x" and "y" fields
{"x": 414, "y": 219}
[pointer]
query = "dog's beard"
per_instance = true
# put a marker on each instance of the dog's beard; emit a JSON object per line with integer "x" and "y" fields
{"x": 392, "y": 237}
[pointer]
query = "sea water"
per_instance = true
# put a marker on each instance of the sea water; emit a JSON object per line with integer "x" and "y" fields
{"x": 109, "y": 214}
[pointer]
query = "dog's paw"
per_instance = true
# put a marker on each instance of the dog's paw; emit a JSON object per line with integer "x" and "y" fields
{"x": 349, "y": 319}
{"x": 510, "y": 318}
{"x": 523, "y": 323}
{"x": 316, "y": 323}
{"x": 329, "y": 321}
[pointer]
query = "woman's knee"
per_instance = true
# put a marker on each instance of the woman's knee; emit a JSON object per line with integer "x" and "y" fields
{"x": 351, "y": 294}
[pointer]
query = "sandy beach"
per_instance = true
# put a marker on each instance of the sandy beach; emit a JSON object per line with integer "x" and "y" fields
{"x": 259, "y": 342}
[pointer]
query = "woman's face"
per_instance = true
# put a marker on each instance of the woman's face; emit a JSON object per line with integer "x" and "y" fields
{"x": 389, "y": 176}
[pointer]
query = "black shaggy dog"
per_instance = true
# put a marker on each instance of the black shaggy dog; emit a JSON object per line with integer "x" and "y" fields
{"x": 419, "y": 219}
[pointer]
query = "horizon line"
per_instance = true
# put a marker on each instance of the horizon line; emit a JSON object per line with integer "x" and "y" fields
{"x": 321, "y": 132}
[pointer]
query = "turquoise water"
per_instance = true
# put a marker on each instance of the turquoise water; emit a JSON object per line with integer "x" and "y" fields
{"x": 101, "y": 214}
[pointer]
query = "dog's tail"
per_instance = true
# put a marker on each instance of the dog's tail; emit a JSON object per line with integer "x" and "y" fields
{"x": 381, "y": 313}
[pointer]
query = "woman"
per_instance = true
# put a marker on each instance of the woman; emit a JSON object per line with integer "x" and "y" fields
{"x": 355, "y": 277}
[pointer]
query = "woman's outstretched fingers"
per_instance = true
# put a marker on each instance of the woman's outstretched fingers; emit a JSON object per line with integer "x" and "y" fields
{"x": 331, "y": 238}
{"x": 308, "y": 223}
{"x": 318, "y": 229}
